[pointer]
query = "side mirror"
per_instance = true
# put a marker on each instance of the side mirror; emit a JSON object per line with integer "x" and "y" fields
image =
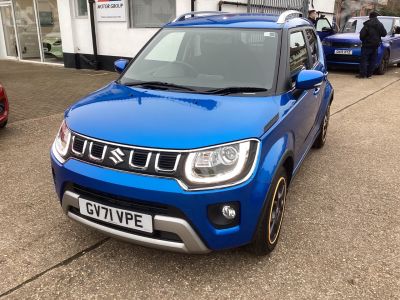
{"x": 309, "y": 79}
{"x": 326, "y": 29}
{"x": 120, "y": 65}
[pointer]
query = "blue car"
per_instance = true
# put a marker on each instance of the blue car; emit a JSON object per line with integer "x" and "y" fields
{"x": 195, "y": 145}
{"x": 344, "y": 49}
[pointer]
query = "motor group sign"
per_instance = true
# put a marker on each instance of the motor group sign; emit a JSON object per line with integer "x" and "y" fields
{"x": 110, "y": 10}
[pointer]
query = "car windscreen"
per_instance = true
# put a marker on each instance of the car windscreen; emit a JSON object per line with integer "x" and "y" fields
{"x": 355, "y": 25}
{"x": 208, "y": 58}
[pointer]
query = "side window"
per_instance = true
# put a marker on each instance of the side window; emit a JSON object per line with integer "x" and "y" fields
{"x": 397, "y": 26}
{"x": 312, "y": 41}
{"x": 81, "y": 9}
{"x": 323, "y": 25}
{"x": 298, "y": 52}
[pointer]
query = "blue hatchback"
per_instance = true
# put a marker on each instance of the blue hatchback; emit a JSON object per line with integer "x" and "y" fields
{"x": 344, "y": 49}
{"x": 193, "y": 148}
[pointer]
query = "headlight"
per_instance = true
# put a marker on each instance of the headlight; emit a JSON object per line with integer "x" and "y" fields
{"x": 61, "y": 143}
{"x": 223, "y": 165}
{"x": 326, "y": 43}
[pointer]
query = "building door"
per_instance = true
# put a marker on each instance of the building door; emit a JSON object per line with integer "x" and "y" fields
{"x": 8, "y": 28}
{"x": 27, "y": 30}
{"x": 50, "y": 31}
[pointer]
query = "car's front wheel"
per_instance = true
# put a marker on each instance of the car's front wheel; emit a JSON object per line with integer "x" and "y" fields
{"x": 2, "y": 125}
{"x": 269, "y": 225}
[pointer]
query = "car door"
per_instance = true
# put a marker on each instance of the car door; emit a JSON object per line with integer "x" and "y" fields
{"x": 306, "y": 106}
{"x": 395, "y": 42}
{"x": 324, "y": 28}
{"x": 317, "y": 63}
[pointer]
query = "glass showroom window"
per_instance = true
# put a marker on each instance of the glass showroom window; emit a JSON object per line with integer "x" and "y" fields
{"x": 151, "y": 13}
{"x": 81, "y": 9}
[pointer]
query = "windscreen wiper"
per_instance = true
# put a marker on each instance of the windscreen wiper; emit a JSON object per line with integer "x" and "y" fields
{"x": 159, "y": 84}
{"x": 235, "y": 90}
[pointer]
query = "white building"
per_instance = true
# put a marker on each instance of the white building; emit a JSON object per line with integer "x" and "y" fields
{"x": 60, "y": 31}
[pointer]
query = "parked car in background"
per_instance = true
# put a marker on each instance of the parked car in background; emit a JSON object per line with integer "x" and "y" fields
{"x": 344, "y": 49}
{"x": 194, "y": 147}
{"x": 52, "y": 45}
{"x": 4, "y": 107}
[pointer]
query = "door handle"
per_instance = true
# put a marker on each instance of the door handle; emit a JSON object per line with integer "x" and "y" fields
{"x": 317, "y": 90}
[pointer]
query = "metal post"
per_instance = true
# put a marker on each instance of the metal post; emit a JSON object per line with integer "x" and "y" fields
{"x": 39, "y": 30}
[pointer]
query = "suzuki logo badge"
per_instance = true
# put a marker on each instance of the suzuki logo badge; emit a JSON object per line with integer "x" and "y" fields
{"x": 117, "y": 155}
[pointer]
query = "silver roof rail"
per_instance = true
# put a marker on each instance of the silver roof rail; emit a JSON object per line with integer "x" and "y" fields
{"x": 192, "y": 14}
{"x": 284, "y": 16}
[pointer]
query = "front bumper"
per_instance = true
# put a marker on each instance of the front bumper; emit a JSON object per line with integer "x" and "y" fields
{"x": 191, "y": 243}
{"x": 195, "y": 231}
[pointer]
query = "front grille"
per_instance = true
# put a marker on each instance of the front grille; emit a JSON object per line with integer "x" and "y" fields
{"x": 78, "y": 145}
{"x": 97, "y": 150}
{"x": 47, "y": 46}
{"x": 140, "y": 158}
{"x": 166, "y": 161}
{"x": 346, "y": 45}
{"x": 126, "y": 158}
{"x": 343, "y": 58}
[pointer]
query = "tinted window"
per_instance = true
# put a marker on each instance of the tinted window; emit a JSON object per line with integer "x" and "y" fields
{"x": 312, "y": 41}
{"x": 150, "y": 13}
{"x": 208, "y": 58}
{"x": 323, "y": 24}
{"x": 397, "y": 23}
{"x": 298, "y": 52}
{"x": 355, "y": 25}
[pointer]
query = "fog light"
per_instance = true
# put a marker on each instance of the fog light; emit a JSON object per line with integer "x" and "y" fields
{"x": 224, "y": 215}
{"x": 228, "y": 212}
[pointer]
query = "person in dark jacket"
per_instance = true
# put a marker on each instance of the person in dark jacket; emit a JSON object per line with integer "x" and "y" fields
{"x": 370, "y": 36}
{"x": 313, "y": 17}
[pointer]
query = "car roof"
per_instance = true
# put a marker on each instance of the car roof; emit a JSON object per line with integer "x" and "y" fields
{"x": 244, "y": 20}
{"x": 379, "y": 17}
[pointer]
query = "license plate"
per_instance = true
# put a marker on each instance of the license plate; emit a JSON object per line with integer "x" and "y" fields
{"x": 117, "y": 216}
{"x": 345, "y": 52}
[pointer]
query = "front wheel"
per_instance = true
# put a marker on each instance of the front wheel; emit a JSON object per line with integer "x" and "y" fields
{"x": 383, "y": 66}
{"x": 269, "y": 225}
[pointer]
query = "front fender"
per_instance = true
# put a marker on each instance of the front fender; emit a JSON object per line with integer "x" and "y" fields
{"x": 274, "y": 156}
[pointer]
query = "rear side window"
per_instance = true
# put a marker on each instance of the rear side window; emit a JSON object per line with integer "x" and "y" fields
{"x": 298, "y": 52}
{"x": 312, "y": 41}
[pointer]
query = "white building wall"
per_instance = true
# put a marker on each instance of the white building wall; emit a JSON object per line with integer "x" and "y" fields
{"x": 326, "y": 7}
{"x": 117, "y": 39}
{"x": 2, "y": 42}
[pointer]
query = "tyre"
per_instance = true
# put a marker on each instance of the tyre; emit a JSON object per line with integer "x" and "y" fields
{"x": 269, "y": 225}
{"x": 2, "y": 125}
{"x": 398, "y": 65}
{"x": 383, "y": 66}
{"x": 321, "y": 138}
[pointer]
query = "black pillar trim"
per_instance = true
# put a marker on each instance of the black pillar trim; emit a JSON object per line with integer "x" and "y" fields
{"x": 93, "y": 29}
{"x": 85, "y": 61}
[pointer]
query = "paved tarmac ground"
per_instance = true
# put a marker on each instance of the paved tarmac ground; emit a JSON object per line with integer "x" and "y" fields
{"x": 340, "y": 236}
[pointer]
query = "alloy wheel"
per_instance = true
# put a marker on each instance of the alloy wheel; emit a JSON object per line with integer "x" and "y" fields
{"x": 277, "y": 210}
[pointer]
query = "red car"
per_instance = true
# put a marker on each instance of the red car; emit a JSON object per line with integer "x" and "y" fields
{"x": 3, "y": 107}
